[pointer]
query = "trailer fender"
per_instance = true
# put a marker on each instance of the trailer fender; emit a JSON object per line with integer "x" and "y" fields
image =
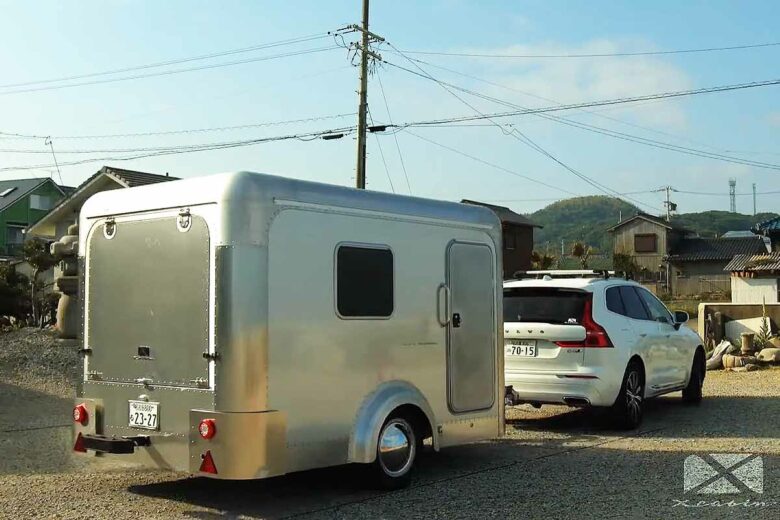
{"x": 375, "y": 409}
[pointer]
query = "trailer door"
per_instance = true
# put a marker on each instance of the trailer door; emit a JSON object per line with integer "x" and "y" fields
{"x": 148, "y": 301}
{"x": 471, "y": 343}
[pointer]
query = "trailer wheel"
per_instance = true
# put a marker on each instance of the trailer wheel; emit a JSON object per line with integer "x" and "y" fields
{"x": 396, "y": 450}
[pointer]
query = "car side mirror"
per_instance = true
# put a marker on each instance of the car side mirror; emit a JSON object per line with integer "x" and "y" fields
{"x": 680, "y": 317}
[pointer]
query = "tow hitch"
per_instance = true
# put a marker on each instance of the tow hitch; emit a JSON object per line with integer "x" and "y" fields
{"x": 104, "y": 444}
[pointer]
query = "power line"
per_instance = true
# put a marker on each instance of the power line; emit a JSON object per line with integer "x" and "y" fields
{"x": 628, "y": 137}
{"x": 395, "y": 136}
{"x": 492, "y": 165}
{"x": 608, "y": 132}
{"x": 717, "y": 194}
{"x": 336, "y": 133}
{"x": 573, "y": 106}
{"x": 174, "y": 71}
{"x": 381, "y": 153}
{"x": 526, "y": 140}
{"x": 289, "y": 41}
{"x": 596, "y": 55}
{"x": 591, "y": 112}
{"x": 171, "y": 132}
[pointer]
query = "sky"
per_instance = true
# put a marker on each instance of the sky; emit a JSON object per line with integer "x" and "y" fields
{"x": 524, "y": 162}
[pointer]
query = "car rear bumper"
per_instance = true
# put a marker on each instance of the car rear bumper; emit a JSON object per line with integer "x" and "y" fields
{"x": 572, "y": 388}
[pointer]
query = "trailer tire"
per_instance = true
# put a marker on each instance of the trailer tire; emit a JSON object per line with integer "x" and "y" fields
{"x": 396, "y": 451}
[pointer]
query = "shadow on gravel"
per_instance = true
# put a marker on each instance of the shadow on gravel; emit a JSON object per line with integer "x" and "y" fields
{"x": 471, "y": 481}
{"x": 716, "y": 416}
{"x": 35, "y": 435}
{"x": 324, "y": 490}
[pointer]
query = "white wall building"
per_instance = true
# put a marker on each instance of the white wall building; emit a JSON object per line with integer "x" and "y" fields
{"x": 754, "y": 278}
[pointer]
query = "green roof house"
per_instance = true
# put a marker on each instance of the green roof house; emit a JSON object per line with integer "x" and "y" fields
{"x": 22, "y": 203}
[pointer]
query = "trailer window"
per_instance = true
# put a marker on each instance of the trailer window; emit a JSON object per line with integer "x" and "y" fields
{"x": 364, "y": 282}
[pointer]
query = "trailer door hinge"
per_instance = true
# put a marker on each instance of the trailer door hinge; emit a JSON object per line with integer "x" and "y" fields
{"x": 85, "y": 351}
{"x": 211, "y": 356}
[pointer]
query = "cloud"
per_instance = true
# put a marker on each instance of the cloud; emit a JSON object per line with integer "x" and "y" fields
{"x": 586, "y": 79}
{"x": 773, "y": 118}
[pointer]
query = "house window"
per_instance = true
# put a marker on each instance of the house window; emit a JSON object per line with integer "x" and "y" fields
{"x": 645, "y": 243}
{"x": 364, "y": 282}
{"x": 510, "y": 240}
{"x": 15, "y": 235}
{"x": 40, "y": 202}
{"x": 14, "y": 240}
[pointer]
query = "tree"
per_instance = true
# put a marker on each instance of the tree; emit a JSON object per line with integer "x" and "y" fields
{"x": 542, "y": 261}
{"x": 582, "y": 252}
{"x": 13, "y": 290}
{"x": 627, "y": 264}
{"x": 38, "y": 255}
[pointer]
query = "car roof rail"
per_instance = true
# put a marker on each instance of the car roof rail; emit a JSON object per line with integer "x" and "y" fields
{"x": 604, "y": 274}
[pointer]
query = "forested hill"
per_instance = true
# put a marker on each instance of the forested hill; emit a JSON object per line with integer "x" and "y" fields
{"x": 587, "y": 219}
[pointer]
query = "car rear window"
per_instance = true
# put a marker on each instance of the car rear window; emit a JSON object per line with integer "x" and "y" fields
{"x": 544, "y": 305}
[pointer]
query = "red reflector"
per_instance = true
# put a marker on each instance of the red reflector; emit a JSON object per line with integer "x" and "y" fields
{"x": 79, "y": 446}
{"x": 80, "y": 414}
{"x": 208, "y": 466}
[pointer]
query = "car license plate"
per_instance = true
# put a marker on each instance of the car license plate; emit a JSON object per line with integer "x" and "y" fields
{"x": 522, "y": 348}
{"x": 144, "y": 415}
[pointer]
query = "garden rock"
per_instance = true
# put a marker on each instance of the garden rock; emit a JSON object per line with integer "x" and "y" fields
{"x": 716, "y": 360}
{"x": 769, "y": 355}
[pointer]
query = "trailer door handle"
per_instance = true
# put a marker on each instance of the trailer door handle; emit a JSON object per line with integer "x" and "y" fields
{"x": 443, "y": 304}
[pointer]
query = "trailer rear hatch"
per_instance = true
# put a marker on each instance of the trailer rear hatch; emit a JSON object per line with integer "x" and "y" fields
{"x": 147, "y": 308}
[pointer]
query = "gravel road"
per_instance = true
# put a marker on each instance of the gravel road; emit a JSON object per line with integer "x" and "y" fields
{"x": 554, "y": 462}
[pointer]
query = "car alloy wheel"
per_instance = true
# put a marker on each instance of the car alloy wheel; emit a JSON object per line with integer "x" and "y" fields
{"x": 633, "y": 396}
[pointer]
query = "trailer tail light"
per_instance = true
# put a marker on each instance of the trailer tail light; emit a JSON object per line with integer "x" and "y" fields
{"x": 208, "y": 466}
{"x": 595, "y": 335}
{"x": 207, "y": 428}
{"x": 80, "y": 414}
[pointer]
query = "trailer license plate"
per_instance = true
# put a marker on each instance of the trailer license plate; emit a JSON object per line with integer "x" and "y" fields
{"x": 522, "y": 348}
{"x": 144, "y": 415}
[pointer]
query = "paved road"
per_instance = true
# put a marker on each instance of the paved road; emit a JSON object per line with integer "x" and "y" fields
{"x": 553, "y": 463}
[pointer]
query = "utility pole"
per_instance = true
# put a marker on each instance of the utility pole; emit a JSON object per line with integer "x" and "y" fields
{"x": 363, "y": 104}
{"x": 670, "y": 206}
{"x": 733, "y": 195}
{"x": 754, "y": 199}
{"x": 365, "y": 53}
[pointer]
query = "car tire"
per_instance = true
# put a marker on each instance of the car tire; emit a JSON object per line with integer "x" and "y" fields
{"x": 629, "y": 406}
{"x": 396, "y": 452}
{"x": 692, "y": 394}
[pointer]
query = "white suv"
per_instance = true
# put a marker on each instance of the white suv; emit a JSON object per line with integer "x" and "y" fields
{"x": 596, "y": 341}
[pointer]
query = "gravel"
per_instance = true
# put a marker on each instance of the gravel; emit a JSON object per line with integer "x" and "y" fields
{"x": 554, "y": 462}
{"x": 34, "y": 359}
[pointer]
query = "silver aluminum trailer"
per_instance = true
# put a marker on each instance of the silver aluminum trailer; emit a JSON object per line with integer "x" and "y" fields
{"x": 243, "y": 325}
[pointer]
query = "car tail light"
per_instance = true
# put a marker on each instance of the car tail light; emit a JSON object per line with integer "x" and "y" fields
{"x": 207, "y": 428}
{"x": 80, "y": 414}
{"x": 595, "y": 335}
